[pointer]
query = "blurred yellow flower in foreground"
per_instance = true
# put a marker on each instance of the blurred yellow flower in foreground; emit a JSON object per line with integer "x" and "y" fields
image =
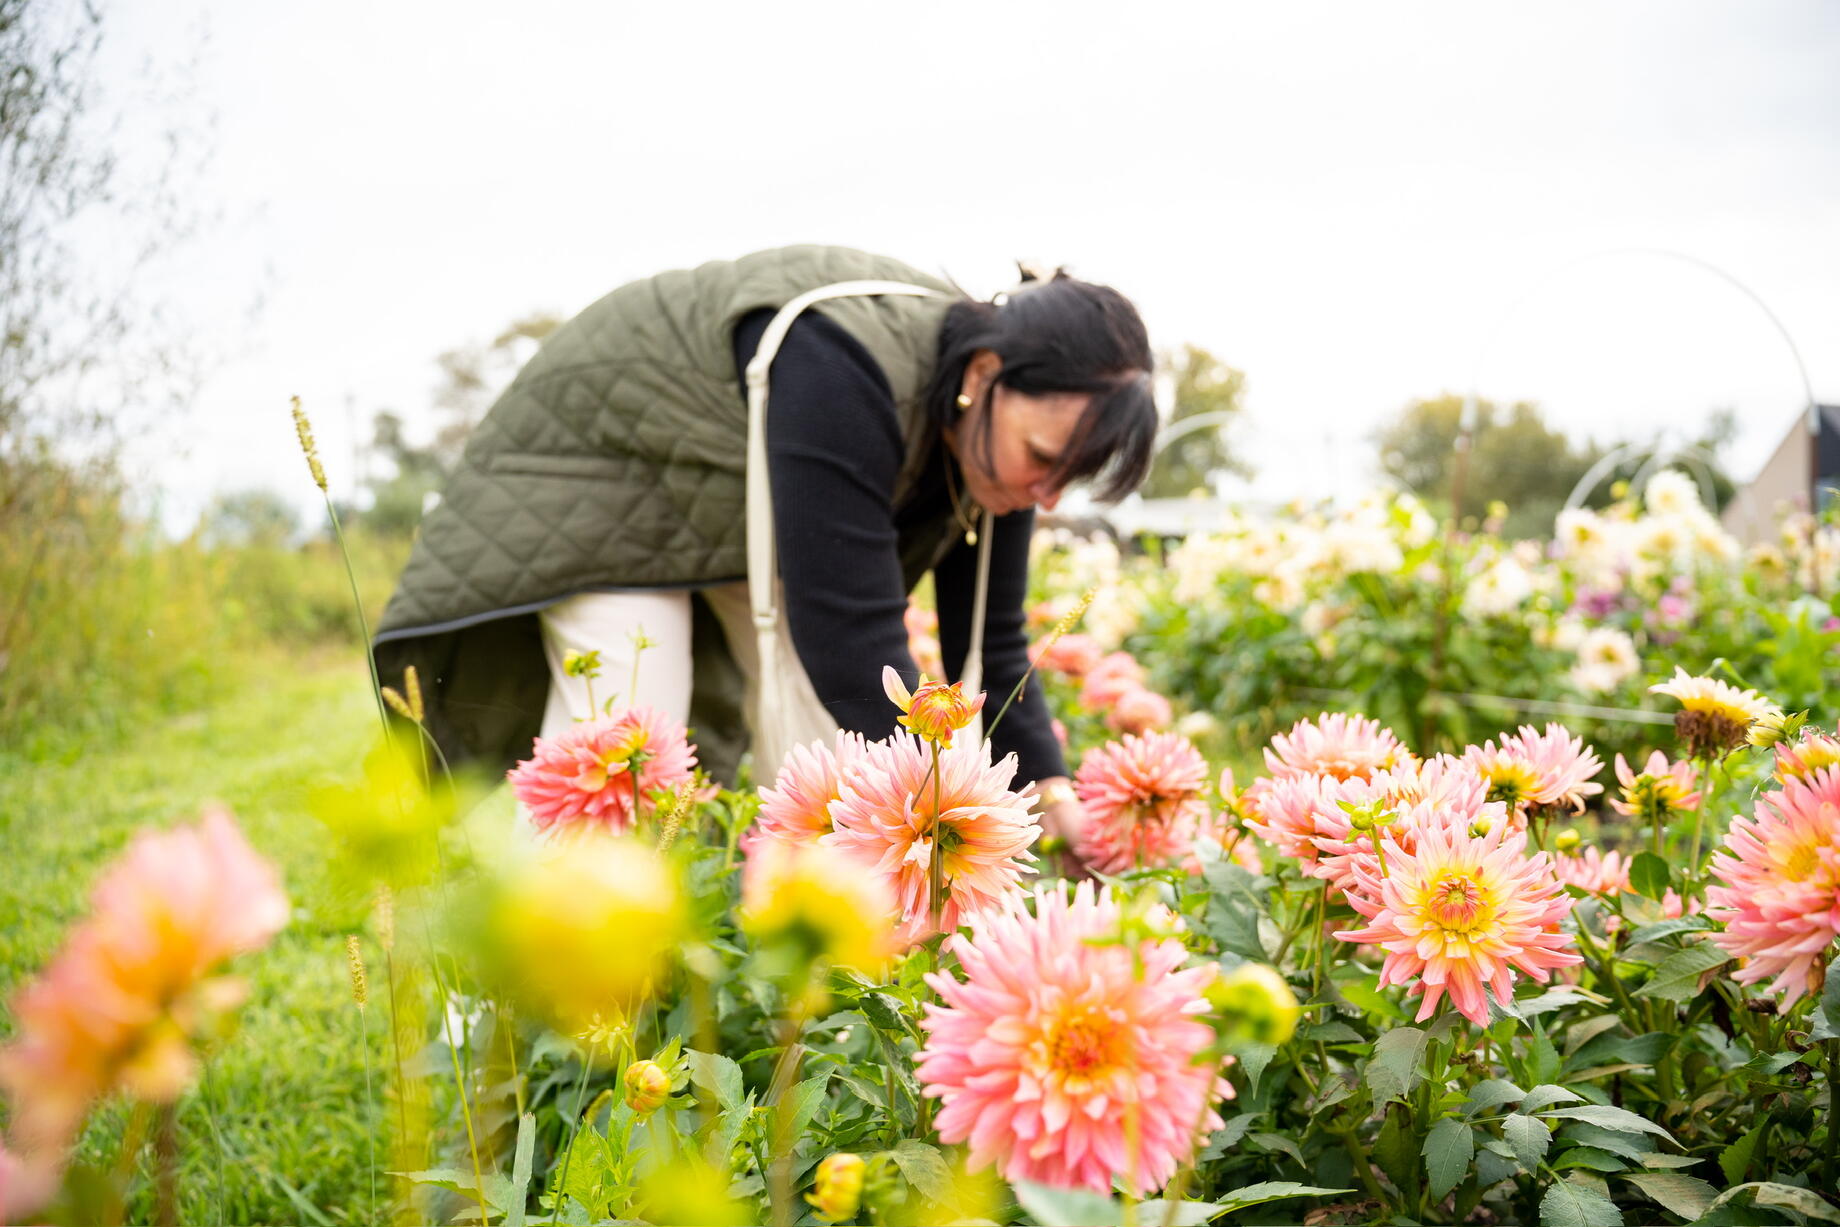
{"x": 584, "y": 930}
{"x": 839, "y": 1187}
{"x": 1254, "y": 1003}
{"x": 809, "y": 908}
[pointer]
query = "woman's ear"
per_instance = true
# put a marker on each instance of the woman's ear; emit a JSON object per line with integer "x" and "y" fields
{"x": 980, "y": 372}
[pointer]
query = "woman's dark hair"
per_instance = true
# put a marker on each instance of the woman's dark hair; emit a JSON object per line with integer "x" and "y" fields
{"x": 1060, "y": 335}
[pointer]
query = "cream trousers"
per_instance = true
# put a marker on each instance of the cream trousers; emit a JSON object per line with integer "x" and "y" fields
{"x": 658, "y": 674}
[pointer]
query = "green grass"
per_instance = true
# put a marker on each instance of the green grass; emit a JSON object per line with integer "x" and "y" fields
{"x": 288, "y": 1084}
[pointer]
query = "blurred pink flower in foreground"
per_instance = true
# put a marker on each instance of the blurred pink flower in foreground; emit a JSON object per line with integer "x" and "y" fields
{"x": 133, "y": 987}
{"x": 584, "y": 777}
{"x": 1459, "y": 914}
{"x": 1779, "y": 896}
{"x": 1139, "y": 711}
{"x": 1058, "y": 1045}
{"x": 796, "y": 807}
{"x": 1143, "y": 802}
{"x": 1531, "y": 769}
{"x": 1338, "y": 746}
{"x": 886, "y": 820}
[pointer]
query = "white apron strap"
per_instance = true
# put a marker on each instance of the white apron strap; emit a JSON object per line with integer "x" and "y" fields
{"x": 763, "y": 566}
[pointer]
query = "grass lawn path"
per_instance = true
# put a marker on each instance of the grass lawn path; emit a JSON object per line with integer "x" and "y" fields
{"x": 288, "y": 1084}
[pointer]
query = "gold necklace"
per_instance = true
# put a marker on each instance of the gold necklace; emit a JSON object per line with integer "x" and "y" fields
{"x": 964, "y": 521}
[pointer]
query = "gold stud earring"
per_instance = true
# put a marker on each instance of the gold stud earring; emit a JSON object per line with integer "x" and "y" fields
{"x": 964, "y": 401}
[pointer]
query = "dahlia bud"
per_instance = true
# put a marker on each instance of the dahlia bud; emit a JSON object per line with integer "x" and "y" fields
{"x": 1482, "y": 826}
{"x": 1567, "y": 839}
{"x": 839, "y": 1186}
{"x": 647, "y": 1086}
{"x": 1774, "y": 727}
{"x": 1255, "y": 1004}
{"x": 935, "y": 711}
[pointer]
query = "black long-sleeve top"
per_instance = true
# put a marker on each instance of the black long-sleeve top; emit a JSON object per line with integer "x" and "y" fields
{"x": 834, "y": 452}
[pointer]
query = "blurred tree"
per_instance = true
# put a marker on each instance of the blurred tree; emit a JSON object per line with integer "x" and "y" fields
{"x": 248, "y": 517}
{"x": 1516, "y": 458}
{"x": 472, "y": 376}
{"x": 1202, "y": 384}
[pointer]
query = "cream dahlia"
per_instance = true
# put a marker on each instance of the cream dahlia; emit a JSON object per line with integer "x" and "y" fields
{"x": 1534, "y": 770}
{"x": 1336, "y": 745}
{"x": 1143, "y": 801}
{"x": 1714, "y": 716}
{"x": 599, "y": 774}
{"x": 886, "y": 818}
{"x": 1779, "y": 885}
{"x": 1066, "y": 1054}
{"x": 1459, "y": 914}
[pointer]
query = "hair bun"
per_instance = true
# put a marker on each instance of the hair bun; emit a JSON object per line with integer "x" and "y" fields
{"x": 1037, "y": 270}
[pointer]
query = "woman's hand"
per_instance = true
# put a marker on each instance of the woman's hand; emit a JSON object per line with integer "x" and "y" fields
{"x": 1063, "y": 820}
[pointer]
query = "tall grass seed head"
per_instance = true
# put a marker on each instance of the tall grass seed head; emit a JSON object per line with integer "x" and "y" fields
{"x": 354, "y": 958}
{"x": 303, "y": 429}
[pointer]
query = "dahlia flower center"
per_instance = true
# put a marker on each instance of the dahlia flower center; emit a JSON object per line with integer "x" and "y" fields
{"x": 1082, "y": 1044}
{"x": 1512, "y": 782}
{"x": 1457, "y": 903}
{"x": 1800, "y": 864}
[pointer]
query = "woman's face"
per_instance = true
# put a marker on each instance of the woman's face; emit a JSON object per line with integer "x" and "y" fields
{"x": 1028, "y": 434}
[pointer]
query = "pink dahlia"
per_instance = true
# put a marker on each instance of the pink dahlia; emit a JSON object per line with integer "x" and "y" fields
{"x": 1400, "y": 805}
{"x": 1779, "y": 896}
{"x": 1111, "y": 678}
{"x": 1074, "y": 654}
{"x": 1282, "y": 811}
{"x": 1595, "y": 872}
{"x": 1803, "y": 758}
{"x": 1460, "y": 913}
{"x": 1534, "y": 770}
{"x": 1658, "y": 790}
{"x": 598, "y": 773}
{"x": 885, "y": 816}
{"x": 138, "y": 980}
{"x": 1139, "y": 711}
{"x": 1064, "y": 1043}
{"x": 1143, "y": 801}
{"x": 796, "y": 807}
{"x": 1336, "y": 745}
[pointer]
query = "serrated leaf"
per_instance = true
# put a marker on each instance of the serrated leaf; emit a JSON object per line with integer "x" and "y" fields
{"x": 1573, "y": 1205}
{"x": 1827, "y": 1014}
{"x": 1277, "y": 1142}
{"x": 520, "y": 1170}
{"x": 1529, "y": 1136}
{"x": 1448, "y": 1149}
{"x": 1604, "y": 1117}
{"x": 1255, "y": 1058}
{"x": 1735, "y": 1160}
{"x": 1394, "y": 1070}
{"x": 1655, "y": 1159}
{"x": 924, "y": 1167}
{"x": 1542, "y": 1057}
{"x": 1546, "y": 1094}
{"x": 802, "y": 1104}
{"x": 1631, "y": 1146}
{"x": 1589, "y": 1158}
{"x": 1271, "y": 1190}
{"x": 1782, "y": 1196}
{"x": 1178, "y": 1214}
{"x": 1492, "y": 1169}
{"x": 1396, "y": 1150}
{"x": 1678, "y": 976}
{"x": 1072, "y": 1207}
{"x": 1668, "y": 928}
{"x": 1648, "y": 874}
{"x": 1333, "y": 1032}
{"x": 1491, "y": 1093}
{"x": 883, "y": 1013}
{"x": 1687, "y": 1196}
{"x": 717, "y": 1074}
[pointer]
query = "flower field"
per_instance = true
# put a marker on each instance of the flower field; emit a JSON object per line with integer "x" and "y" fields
{"x": 1427, "y": 878}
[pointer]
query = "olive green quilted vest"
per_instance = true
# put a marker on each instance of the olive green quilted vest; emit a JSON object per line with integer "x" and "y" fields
{"x": 616, "y": 460}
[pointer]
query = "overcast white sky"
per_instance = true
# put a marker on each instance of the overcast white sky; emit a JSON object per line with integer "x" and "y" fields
{"x": 1355, "y": 204}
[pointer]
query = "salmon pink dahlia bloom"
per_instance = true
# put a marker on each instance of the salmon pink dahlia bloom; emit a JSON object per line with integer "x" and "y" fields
{"x": 595, "y": 774}
{"x": 1535, "y": 770}
{"x": 1139, "y": 711}
{"x": 1074, "y": 654}
{"x": 1595, "y": 872}
{"x": 1336, "y": 745}
{"x": 1459, "y": 914}
{"x": 886, "y": 820}
{"x": 1143, "y": 801}
{"x": 796, "y": 807}
{"x": 1779, "y": 891}
{"x": 1062, "y": 1042}
{"x": 138, "y": 981}
{"x": 1109, "y": 680}
{"x": 1282, "y": 810}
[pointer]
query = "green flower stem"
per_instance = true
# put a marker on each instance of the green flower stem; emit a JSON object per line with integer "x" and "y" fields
{"x": 357, "y": 603}
{"x": 779, "y": 1149}
{"x": 166, "y": 1152}
{"x": 453, "y": 1053}
{"x": 568, "y": 1146}
{"x": 936, "y": 863}
{"x": 1831, "y": 1163}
